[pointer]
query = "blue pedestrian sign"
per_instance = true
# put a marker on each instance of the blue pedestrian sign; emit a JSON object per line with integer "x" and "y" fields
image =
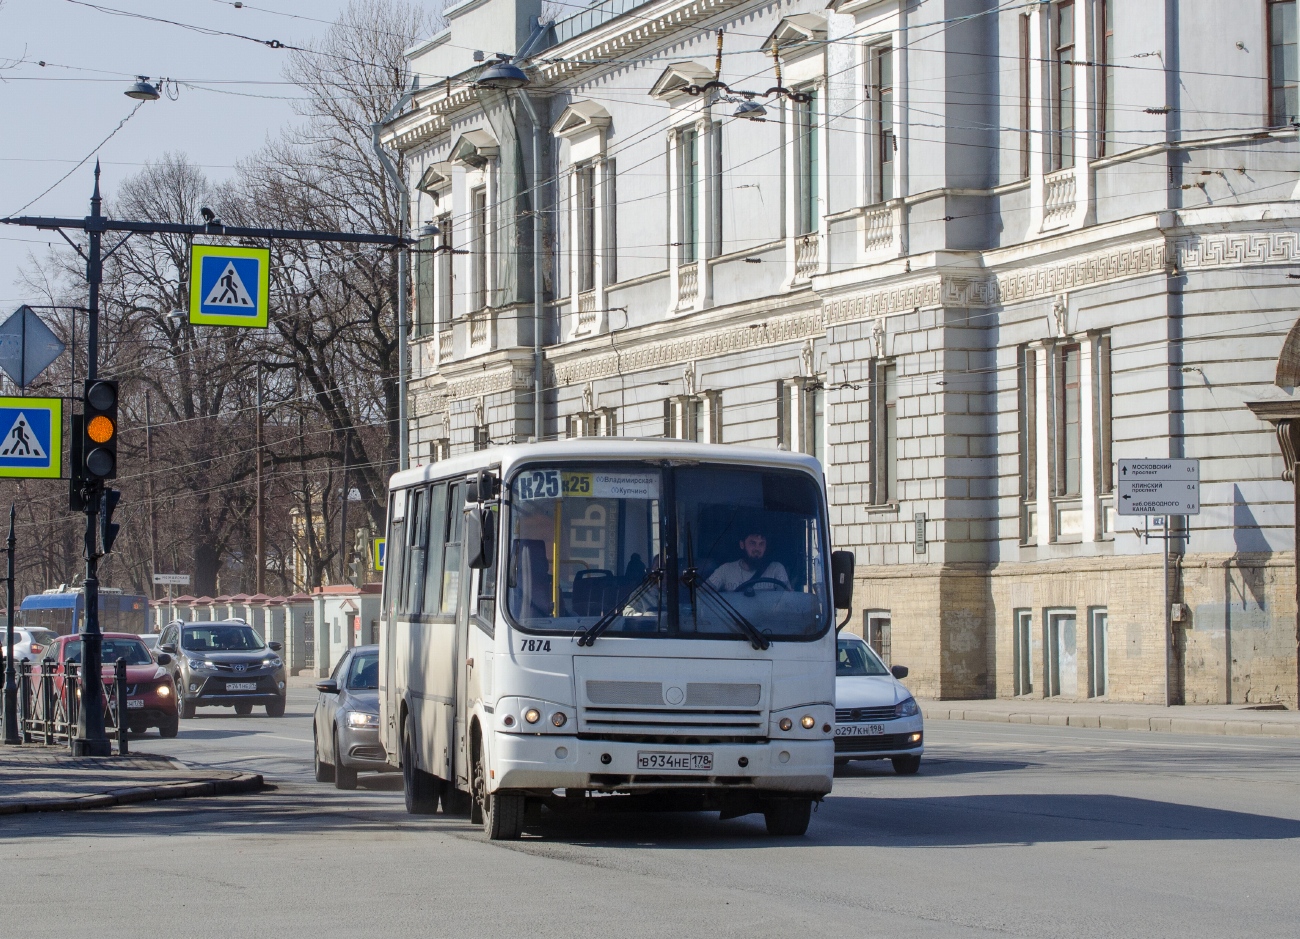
{"x": 228, "y": 286}
{"x": 31, "y": 438}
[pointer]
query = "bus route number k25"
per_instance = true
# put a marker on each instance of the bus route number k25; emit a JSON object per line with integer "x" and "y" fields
{"x": 534, "y": 645}
{"x": 539, "y": 484}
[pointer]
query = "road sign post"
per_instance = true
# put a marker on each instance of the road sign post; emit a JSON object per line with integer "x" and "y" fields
{"x": 171, "y": 580}
{"x": 1164, "y": 488}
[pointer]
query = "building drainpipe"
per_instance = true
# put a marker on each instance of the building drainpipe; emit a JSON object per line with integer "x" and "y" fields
{"x": 538, "y": 374}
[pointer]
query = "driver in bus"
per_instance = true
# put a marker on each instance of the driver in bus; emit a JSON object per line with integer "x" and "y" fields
{"x": 750, "y": 571}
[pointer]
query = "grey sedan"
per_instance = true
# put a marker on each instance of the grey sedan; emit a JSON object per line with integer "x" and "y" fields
{"x": 345, "y": 727}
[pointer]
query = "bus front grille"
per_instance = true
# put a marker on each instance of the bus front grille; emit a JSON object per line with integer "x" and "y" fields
{"x": 673, "y": 722}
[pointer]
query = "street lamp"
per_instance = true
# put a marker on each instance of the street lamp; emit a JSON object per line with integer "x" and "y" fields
{"x": 142, "y": 90}
{"x": 502, "y": 75}
{"x": 429, "y": 229}
{"x": 751, "y": 111}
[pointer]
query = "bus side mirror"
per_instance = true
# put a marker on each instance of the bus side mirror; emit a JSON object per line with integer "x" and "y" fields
{"x": 480, "y": 536}
{"x": 842, "y": 579}
{"x": 483, "y": 486}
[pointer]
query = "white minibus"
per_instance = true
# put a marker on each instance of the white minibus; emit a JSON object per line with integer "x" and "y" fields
{"x": 576, "y": 623}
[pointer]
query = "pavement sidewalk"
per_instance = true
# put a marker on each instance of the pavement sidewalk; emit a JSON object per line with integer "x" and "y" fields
{"x": 48, "y": 779}
{"x": 1233, "y": 720}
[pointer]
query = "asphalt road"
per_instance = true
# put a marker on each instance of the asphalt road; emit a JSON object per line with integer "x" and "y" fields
{"x": 1008, "y": 830}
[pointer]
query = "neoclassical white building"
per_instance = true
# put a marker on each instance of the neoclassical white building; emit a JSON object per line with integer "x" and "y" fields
{"x": 972, "y": 255}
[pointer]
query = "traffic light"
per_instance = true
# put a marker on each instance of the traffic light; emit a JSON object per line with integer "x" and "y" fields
{"x": 99, "y": 431}
{"x": 107, "y": 530}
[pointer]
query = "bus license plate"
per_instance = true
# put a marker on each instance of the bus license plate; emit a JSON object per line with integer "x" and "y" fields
{"x": 134, "y": 703}
{"x": 241, "y": 686}
{"x": 859, "y": 730}
{"x": 686, "y": 762}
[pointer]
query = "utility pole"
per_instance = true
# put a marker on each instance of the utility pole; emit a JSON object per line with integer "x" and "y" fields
{"x": 153, "y": 503}
{"x": 343, "y": 516}
{"x": 259, "y": 580}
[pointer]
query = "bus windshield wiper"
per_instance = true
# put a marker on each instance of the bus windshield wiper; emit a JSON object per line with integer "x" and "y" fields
{"x": 606, "y": 620}
{"x": 692, "y": 579}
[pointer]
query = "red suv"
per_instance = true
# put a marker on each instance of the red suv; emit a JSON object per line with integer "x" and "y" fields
{"x": 150, "y": 691}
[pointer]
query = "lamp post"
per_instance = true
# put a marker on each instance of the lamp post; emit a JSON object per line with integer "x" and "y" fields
{"x": 504, "y": 75}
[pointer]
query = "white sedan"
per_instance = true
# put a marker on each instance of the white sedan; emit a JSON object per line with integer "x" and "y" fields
{"x": 875, "y": 716}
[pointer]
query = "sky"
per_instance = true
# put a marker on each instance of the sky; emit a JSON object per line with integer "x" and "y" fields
{"x": 53, "y": 116}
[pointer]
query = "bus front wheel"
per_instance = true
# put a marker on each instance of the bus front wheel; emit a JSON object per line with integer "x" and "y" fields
{"x": 502, "y": 812}
{"x": 787, "y": 817}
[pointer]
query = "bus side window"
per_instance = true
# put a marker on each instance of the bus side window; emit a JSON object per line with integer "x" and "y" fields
{"x": 417, "y": 529}
{"x": 451, "y": 557}
{"x": 485, "y": 609}
{"x": 437, "y": 542}
{"x": 395, "y": 552}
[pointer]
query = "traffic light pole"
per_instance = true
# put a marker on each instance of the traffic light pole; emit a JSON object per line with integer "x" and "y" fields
{"x": 91, "y": 739}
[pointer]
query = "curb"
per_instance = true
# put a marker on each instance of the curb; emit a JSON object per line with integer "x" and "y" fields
{"x": 188, "y": 789}
{"x": 1166, "y": 725}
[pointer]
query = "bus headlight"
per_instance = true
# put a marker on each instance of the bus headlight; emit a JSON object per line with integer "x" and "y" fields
{"x": 559, "y": 719}
{"x": 808, "y": 722}
{"x": 532, "y": 715}
{"x": 786, "y": 723}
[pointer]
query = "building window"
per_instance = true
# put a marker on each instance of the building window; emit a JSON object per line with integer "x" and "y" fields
{"x": 482, "y": 439}
{"x": 1069, "y": 423}
{"x": 1101, "y": 389}
{"x": 479, "y": 254}
{"x": 1098, "y": 648}
{"x": 1026, "y": 74}
{"x": 806, "y": 165}
{"x": 1105, "y": 76}
{"x": 601, "y": 422}
{"x": 883, "y": 143}
{"x": 688, "y": 174}
{"x": 585, "y": 206}
{"x": 884, "y": 433}
{"x": 439, "y": 449}
{"x": 443, "y": 273}
{"x": 1027, "y": 415}
{"x": 1062, "y": 130}
{"x": 425, "y": 262}
{"x": 1022, "y": 662}
{"x": 1283, "y": 68}
{"x": 877, "y": 631}
{"x": 801, "y": 416}
{"x": 1061, "y": 652}
{"x": 695, "y": 417}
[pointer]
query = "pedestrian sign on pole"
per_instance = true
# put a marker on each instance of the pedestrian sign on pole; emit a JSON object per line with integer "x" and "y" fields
{"x": 1160, "y": 487}
{"x": 32, "y": 443}
{"x": 229, "y": 286}
{"x": 379, "y": 546}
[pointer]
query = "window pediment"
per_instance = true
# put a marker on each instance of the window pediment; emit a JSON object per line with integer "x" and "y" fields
{"x": 795, "y": 29}
{"x": 436, "y": 177}
{"x": 473, "y": 149}
{"x": 581, "y": 118}
{"x": 672, "y": 83}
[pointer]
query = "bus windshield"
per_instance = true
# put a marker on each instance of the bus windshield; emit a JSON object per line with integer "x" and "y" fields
{"x": 681, "y": 552}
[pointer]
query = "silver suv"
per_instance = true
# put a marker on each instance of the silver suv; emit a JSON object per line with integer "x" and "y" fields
{"x": 223, "y": 664}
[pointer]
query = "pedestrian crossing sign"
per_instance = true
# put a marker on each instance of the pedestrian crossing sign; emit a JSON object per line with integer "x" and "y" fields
{"x": 32, "y": 443}
{"x": 378, "y": 549}
{"x": 228, "y": 286}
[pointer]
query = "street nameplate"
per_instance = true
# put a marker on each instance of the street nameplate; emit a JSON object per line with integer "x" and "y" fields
{"x": 172, "y": 580}
{"x": 1159, "y": 487}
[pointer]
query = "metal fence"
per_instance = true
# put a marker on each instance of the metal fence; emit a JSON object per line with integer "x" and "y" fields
{"x": 49, "y": 703}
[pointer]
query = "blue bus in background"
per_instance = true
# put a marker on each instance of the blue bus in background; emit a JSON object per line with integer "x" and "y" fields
{"x": 63, "y": 609}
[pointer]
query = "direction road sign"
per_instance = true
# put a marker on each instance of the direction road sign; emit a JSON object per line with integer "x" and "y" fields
{"x": 1159, "y": 487}
{"x": 31, "y": 438}
{"x": 229, "y": 286}
{"x": 172, "y": 580}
